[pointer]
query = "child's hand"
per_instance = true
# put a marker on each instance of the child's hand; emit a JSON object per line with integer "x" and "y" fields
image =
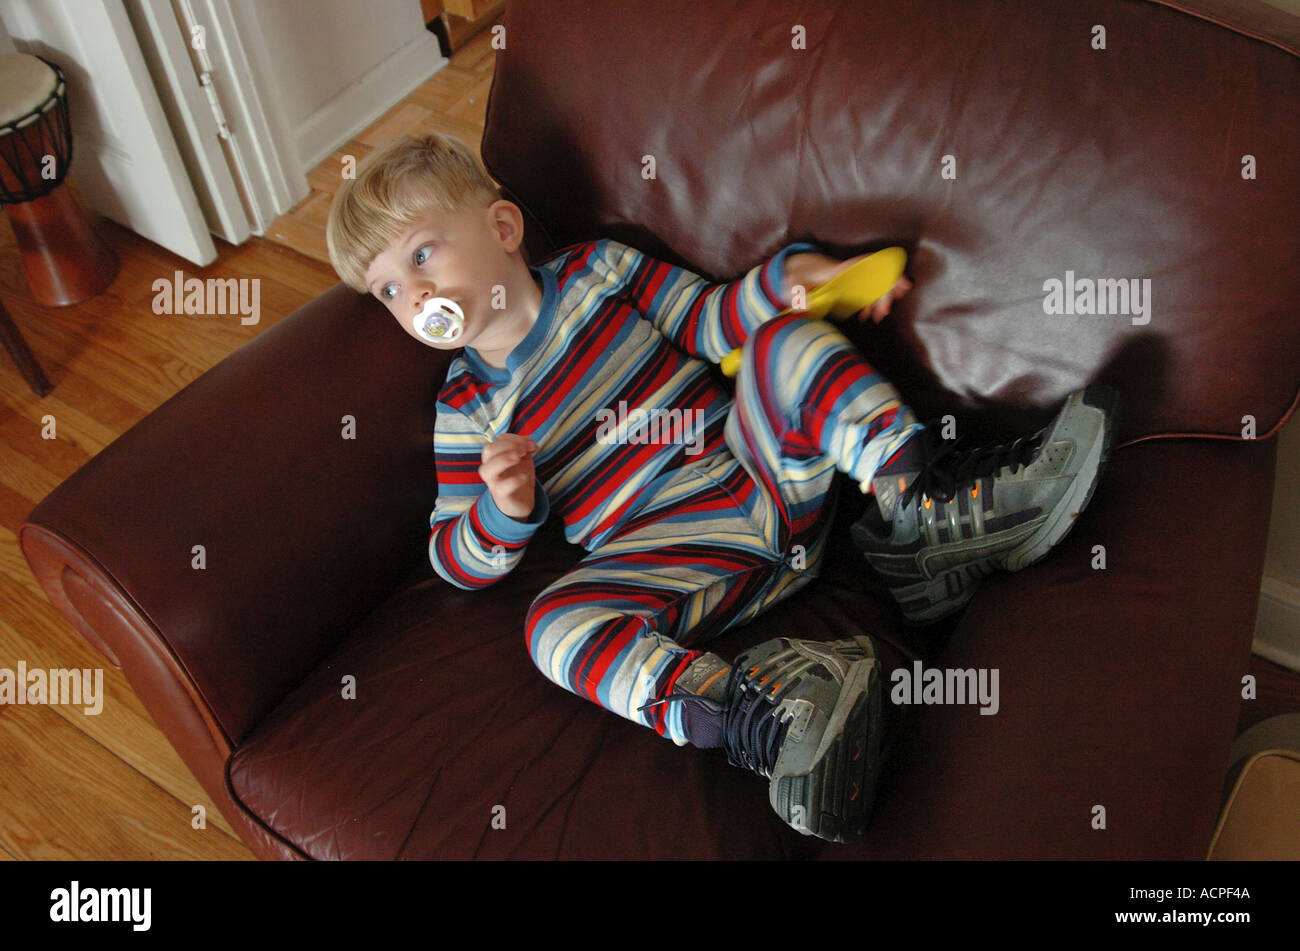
{"x": 880, "y": 309}
{"x": 812, "y": 270}
{"x": 507, "y": 468}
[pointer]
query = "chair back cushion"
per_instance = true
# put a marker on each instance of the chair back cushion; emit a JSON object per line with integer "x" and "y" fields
{"x": 1087, "y": 190}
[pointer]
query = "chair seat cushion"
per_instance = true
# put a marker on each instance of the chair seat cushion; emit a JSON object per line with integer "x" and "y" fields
{"x": 1118, "y": 687}
{"x": 456, "y": 746}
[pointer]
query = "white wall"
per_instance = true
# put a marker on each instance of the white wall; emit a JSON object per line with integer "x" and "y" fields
{"x": 1277, "y": 632}
{"x": 335, "y": 66}
{"x": 1277, "y": 635}
{"x": 1283, "y": 560}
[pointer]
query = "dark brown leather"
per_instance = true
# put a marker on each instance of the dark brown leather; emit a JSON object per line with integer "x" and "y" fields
{"x": 304, "y": 532}
{"x": 1120, "y": 688}
{"x": 1116, "y": 163}
{"x": 98, "y": 609}
{"x": 1261, "y": 21}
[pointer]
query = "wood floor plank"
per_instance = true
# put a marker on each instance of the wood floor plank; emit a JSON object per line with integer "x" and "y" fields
{"x": 472, "y": 105}
{"x": 432, "y": 95}
{"x": 70, "y": 425}
{"x": 466, "y": 130}
{"x": 142, "y": 262}
{"x": 109, "y": 411}
{"x": 305, "y": 228}
{"x": 123, "y": 729}
{"x": 393, "y": 125}
{"x": 63, "y": 353}
{"x": 305, "y": 277}
{"x": 152, "y": 356}
{"x": 14, "y": 508}
{"x": 326, "y": 176}
{"x": 122, "y": 319}
{"x": 200, "y": 340}
{"x": 28, "y": 475}
{"x": 284, "y": 285}
{"x": 62, "y": 797}
{"x": 134, "y": 369}
{"x": 15, "y": 570}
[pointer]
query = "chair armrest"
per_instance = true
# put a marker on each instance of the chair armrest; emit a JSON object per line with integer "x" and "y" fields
{"x": 303, "y": 531}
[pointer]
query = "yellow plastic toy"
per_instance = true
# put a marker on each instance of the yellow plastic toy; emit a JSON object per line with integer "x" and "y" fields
{"x": 849, "y": 292}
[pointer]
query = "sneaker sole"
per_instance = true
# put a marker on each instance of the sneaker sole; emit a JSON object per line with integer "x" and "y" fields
{"x": 936, "y": 603}
{"x": 835, "y": 798}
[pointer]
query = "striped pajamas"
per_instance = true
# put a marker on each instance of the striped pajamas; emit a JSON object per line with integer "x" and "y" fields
{"x": 694, "y": 522}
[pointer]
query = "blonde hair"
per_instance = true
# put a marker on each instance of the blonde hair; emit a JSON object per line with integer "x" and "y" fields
{"x": 395, "y": 186}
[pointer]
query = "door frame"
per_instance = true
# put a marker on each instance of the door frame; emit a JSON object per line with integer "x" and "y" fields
{"x": 264, "y": 157}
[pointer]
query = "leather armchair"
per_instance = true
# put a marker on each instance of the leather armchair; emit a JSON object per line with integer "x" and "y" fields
{"x": 1120, "y": 686}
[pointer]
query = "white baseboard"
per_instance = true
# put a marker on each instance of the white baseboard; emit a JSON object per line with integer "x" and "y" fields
{"x": 322, "y": 132}
{"x": 1277, "y": 629}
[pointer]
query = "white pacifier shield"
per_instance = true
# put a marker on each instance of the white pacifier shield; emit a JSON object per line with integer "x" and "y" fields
{"x": 440, "y": 321}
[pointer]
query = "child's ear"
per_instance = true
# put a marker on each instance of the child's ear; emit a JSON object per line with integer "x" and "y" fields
{"x": 508, "y": 223}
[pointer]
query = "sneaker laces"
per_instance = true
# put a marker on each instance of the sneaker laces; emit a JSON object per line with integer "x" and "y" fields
{"x": 948, "y": 468}
{"x": 753, "y": 729}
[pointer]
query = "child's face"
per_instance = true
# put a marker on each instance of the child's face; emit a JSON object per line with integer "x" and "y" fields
{"x": 462, "y": 255}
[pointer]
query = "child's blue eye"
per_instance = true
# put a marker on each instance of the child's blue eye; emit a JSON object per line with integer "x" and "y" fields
{"x": 388, "y": 291}
{"x": 420, "y": 256}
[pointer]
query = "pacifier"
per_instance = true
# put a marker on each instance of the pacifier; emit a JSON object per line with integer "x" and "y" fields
{"x": 440, "y": 321}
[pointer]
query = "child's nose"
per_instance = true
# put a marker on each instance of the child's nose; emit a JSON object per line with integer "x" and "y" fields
{"x": 422, "y": 291}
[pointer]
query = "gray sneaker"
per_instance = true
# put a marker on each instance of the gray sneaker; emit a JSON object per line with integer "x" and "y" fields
{"x": 967, "y": 514}
{"x": 807, "y": 715}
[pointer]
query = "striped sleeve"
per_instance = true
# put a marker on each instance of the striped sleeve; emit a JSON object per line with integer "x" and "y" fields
{"x": 472, "y": 543}
{"x": 704, "y": 319}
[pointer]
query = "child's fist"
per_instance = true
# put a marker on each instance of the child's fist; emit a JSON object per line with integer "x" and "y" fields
{"x": 507, "y": 469}
{"x": 810, "y": 271}
{"x": 880, "y": 309}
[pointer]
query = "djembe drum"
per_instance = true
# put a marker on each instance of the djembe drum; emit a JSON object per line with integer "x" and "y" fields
{"x": 65, "y": 261}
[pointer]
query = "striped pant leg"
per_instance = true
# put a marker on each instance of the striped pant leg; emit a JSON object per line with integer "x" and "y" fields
{"x": 808, "y": 404}
{"x": 621, "y": 627}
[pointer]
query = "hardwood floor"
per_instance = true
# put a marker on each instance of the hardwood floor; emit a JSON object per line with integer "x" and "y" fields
{"x": 105, "y": 786}
{"x": 110, "y": 786}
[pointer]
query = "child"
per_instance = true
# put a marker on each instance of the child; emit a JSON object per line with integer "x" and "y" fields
{"x": 582, "y": 391}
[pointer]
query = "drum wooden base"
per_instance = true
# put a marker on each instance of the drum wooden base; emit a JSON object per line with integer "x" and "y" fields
{"x": 66, "y": 262}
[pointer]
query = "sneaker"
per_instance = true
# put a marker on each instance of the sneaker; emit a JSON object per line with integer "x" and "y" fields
{"x": 807, "y": 716}
{"x": 967, "y": 514}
